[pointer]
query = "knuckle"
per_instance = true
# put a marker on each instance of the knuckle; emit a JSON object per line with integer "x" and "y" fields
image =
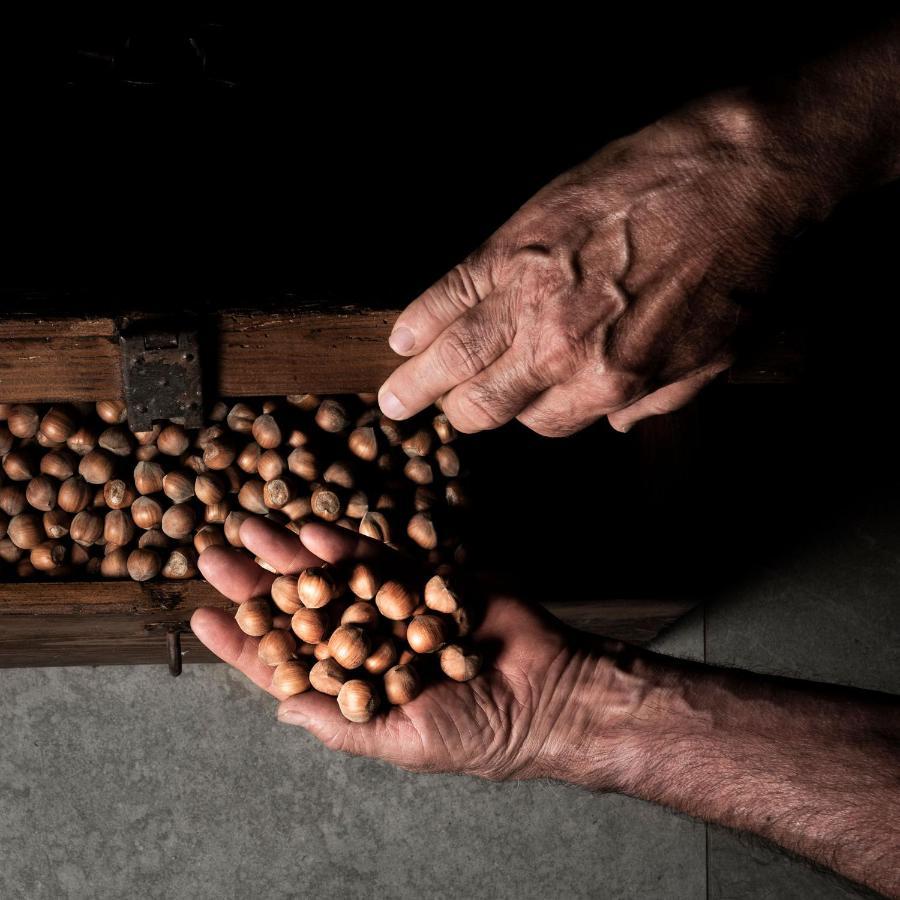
{"x": 548, "y": 424}
{"x": 473, "y": 409}
{"x": 459, "y": 286}
{"x": 559, "y": 352}
{"x": 459, "y": 354}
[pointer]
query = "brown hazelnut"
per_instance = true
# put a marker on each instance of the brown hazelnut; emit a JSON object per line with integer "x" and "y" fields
{"x": 207, "y": 536}
{"x": 321, "y": 651}
{"x": 26, "y": 531}
{"x": 86, "y": 528}
{"x": 402, "y": 684}
{"x": 326, "y": 504}
{"x": 455, "y": 494}
{"x": 240, "y": 418}
{"x": 305, "y": 402}
{"x": 146, "y": 453}
{"x": 57, "y": 424}
{"x": 331, "y": 416}
{"x": 317, "y": 586}
{"x": 6, "y": 440}
{"x": 298, "y": 508}
{"x": 291, "y": 677}
{"x": 459, "y": 665}
{"x": 248, "y": 458}
{"x": 297, "y": 438}
{"x": 9, "y": 552}
{"x": 74, "y": 494}
{"x": 341, "y": 474}
{"x": 216, "y": 513}
{"x": 284, "y": 593}
{"x": 266, "y": 432}
{"x": 363, "y": 614}
{"x": 254, "y": 617}
{"x": 41, "y": 493}
{"x": 381, "y": 658}
{"x": 310, "y": 625}
{"x": 218, "y": 412}
{"x": 118, "y": 494}
{"x": 181, "y": 563}
{"x": 210, "y": 488}
{"x": 145, "y": 438}
{"x": 276, "y": 647}
{"x": 426, "y": 634}
{"x": 395, "y": 601}
{"x": 118, "y": 528}
{"x": 250, "y": 497}
{"x": 444, "y": 430}
{"x": 219, "y": 454}
{"x": 18, "y": 466}
{"x": 82, "y": 441}
{"x": 418, "y": 444}
{"x": 143, "y": 564}
{"x": 270, "y": 465}
{"x": 58, "y": 464}
{"x": 178, "y": 521}
{"x": 117, "y": 440}
{"x": 56, "y": 523}
{"x": 12, "y": 499}
{"x": 233, "y": 522}
{"x": 114, "y": 564}
{"x": 48, "y": 555}
{"x": 357, "y": 505}
{"x": 148, "y": 477}
{"x": 363, "y": 443}
{"x": 179, "y": 486}
{"x": 440, "y": 595}
{"x": 391, "y": 431}
{"x": 111, "y": 411}
{"x": 327, "y": 676}
{"x": 23, "y": 420}
{"x": 277, "y": 493}
{"x": 363, "y": 582}
{"x": 375, "y": 525}
{"x": 146, "y": 513}
{"x": 303, "y": 464}
{"x": 349, "y": 646}
{"x": 421, "y": 531}
{"x": 357, "y": 700}
{"x": 173, "y": 440}
{"x": 418, "y": 470}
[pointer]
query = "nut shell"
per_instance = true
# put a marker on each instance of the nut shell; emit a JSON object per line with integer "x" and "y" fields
{"x": 276, "y": 647}
{"x": 317, "y": 586}
{"x": 357, "y": 700}
{"x": 426, "y": 634}
{"x": 349, "y": 646}
{"x": 402, "y": 684}
{"x": 395, "y": 600}
{"x": 284, "y": 592}
{"x": 291, "y": 677}
{"x": 143, "y": 564}
{"x": 327, "y": 676}
{"x": 459, "y": 665}
{"x": 310, "y": 625}
{"x": 254, "y": 617}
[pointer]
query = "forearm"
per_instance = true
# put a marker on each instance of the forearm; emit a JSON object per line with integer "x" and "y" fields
{"x": 814, "y": 769}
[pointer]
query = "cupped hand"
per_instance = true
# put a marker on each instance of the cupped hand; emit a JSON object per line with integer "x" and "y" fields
{"x": 507, "y": 722}
{"x": 616, "y": 291}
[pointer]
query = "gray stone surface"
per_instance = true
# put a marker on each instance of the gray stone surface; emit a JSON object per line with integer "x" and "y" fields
{"x": 127, "y": 783}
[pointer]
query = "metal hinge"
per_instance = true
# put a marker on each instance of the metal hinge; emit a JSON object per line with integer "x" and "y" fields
{"x": 161, "y": 375}
{"x": 173, "y": 632}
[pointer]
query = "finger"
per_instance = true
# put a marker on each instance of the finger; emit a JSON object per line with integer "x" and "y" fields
{"x": 462, "y": 288}
{"x": 467, "y": 346}
{"x": 234, "y": 574}
{"x": 565, "y": 408}
{"x": 335, "y": 545}
{"x": 667, "y": 399}
{"x": 496, "y": 395}
{"x": 218, "y": 631}
{"x": 279, "y": 547}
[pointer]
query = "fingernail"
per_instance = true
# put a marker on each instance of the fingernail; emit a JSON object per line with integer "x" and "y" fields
{"x": 292, "y": 717}
{"x": 391, "y": 406}
{"x": 401, "y": 340}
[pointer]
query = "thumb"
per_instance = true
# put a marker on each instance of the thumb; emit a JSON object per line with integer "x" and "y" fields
{"x": 320, "y": 716}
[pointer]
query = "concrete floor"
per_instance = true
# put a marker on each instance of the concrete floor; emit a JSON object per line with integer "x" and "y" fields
{"x": 127, "y": 783}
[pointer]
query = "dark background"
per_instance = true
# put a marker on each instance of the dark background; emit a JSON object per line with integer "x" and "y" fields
{"x": 203, "y": 161}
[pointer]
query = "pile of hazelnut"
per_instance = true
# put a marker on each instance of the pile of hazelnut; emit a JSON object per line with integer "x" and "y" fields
{"x": 369, "y": 636}
{"x": 81, "y": 495}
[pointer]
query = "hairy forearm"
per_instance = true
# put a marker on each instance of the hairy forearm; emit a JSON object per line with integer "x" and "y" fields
{"x": 813, "y": 768}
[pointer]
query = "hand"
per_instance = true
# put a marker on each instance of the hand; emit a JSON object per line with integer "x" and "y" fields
{"x": 615, "y": 291}
{"x": 507, "y": 722}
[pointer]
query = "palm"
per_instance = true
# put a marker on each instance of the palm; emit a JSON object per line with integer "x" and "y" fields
{"x": 481, "y": 726}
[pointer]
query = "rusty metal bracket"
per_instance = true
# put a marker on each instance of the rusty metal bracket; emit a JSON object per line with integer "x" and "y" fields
{"x": 173, "y": 632}
{"x": 161, "y": 374}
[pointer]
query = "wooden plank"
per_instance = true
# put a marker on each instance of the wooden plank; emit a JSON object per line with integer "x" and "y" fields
{"x": 335, "y": 350}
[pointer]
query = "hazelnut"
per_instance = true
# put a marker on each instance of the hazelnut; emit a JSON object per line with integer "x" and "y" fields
{"x": 114, "y": 564}
{"x": 321, "y": 651}
{"x": 382, "y": 657}
{"x": 12, "y": 499}
{"x": 240, "y": 418}
{"x": 17, "y": 466}
{"x": 331, "y": 416}
{"x": 26, "y": 531}
{"x": 254, "y": 617}
{"x": 111, "y": 411}
{"x": 216, "y": 513}
{"x": 233, "y": 522}
{"x": 326, "y": 505}
{"x": 363, "y": 614}
{"x": 317, "y": 586}
{"x": 357, "y": 505}
{"x": 266, "y": 432}
{"x": 391, "y": 431}
{"x": 173, "y": 440}
{"x": 118, "y": 527}
{"x": 375, "y": 525}
{"x": 363, "y": 443}
{"x": 310, "y": 625}
{"x": 276, "y": 647}
{"x": 6, "y": 440}
{"x": 459, "y": 665}
{"x": 418, "y": 444}
{"x": 418, "y": 470}
{"x": 349, "y": 646}
{"x": 402, "y": 684}
{"x": 56, "y": 523}
{"x": 148, "y": 477}
{"x": 86, "y": 528}
{"x": 181, "y": 563}
{"x": 455, "y": 494}
{"x": 59, "y": 464}
{"x": 57, "y": 424}
{"x": 248, "y": 458}
{"x": 426, "y": 634}
{"x": 117, "y": 440}
{"x": 270, "y": 465}
{"x": 143, "y": 564}
{"x": 82, "y": 441}
{"x": 41, "y": 493}
{"x": 444, "y": 430}
{"x": 363, "y": 582}
{"x": 145, "y": 438}
{"x": 9, "y": 552}
{"x": 395, "y": 601}
{"x": 218, "y": 412}
{"x": 179, "y": 486}
{"x": 250, "y": 497}
{"x": 284, "y": 592}
{"x": 74, "y": 494}
{"x": 298, "y": 508}
{"x": 341, "y": 474}
{"x": 305, "y": 402}
{"x": 440, "y": 596}
{"x": 303, "y": 464}
{"x": 218, "y": 454}
{"x": 118, "y": 494}
{"x": 207, "y": 536}
{"x": 23, "y": 420}
{"x": 277, "y": 493}
{"x": 178, "y": 521}
{"x": 291, "y": 677}
{"x": 210, "y": 488}
{"x": 448, "y": 461}
{"x": 421, "y": 531}
{"x": 146, "y": 512}
{"x": 357, "y": 700}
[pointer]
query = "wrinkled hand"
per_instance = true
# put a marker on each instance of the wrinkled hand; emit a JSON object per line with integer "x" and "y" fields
{"x": 507, "y": 722}
{"x": 615, "y": 291}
